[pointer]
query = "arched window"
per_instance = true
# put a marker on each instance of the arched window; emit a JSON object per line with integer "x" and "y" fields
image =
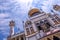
{"x": 27, "y": 30}
{"x": 38, "y": 26}
{"x": 32, "y": 30}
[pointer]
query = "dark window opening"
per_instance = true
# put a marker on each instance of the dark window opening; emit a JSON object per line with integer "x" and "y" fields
{"x": 48, "y": 39}
{"x": 13, "y": 39}
{"x": 55, "y": 38}
{"x": 37, "y": 24}
{"x": 45, "y": 20}
{"x": 48, "y": 25}
{"x": 28, "y": 32}
{"x": 22, "y": 38}
{"x": 41, "y": 22}
{"x": 17, "y": 38}
{"x": 29, "y": 23}
{"x": 39, "y": 27}
{"x": 32, "y": 30}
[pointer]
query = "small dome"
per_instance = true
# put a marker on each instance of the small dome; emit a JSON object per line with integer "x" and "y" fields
{"x": 32, "y": 11}
{"x": 56, "y": 7}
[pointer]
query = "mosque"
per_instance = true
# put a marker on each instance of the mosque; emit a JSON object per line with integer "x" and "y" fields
{"x": 39, "y": 26}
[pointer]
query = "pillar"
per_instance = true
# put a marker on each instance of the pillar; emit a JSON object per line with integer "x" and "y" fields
{"x": 50, "y": 21}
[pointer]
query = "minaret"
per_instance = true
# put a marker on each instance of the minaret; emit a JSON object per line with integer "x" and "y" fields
{"x": 12, "y": 24}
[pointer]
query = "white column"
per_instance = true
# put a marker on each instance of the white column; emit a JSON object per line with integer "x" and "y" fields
{"x": 27, "y": 38}
{"x": 25, "y": 30}
{"x": 50, "y": 21}
{"x": 34, "y": 27}
{"x": 24, "y": 37}
{"x": 19, "y": 38}
{"x": 12, "y": 31}
{"x": 42, "y": 33}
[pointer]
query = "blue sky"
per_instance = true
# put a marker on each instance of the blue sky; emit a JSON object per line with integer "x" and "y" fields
{"x": 17, "y": 10}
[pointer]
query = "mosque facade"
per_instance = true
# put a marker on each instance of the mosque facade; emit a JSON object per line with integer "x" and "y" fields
{"x": 39, "y": 26}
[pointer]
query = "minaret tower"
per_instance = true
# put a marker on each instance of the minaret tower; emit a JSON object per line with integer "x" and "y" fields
{"x": 12, "y": 24}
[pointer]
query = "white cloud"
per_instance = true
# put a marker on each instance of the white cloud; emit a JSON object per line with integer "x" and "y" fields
{"x": 58, "y": 2}
{"x": 45, "y": 8}
{"x": 2, "y": 7}
{"x": 4, "y": 39}
{"x": 3, "y": 15}
{"x": 24, "y": 8}
{"x": 4, "y": 22}
{"x": 48, "y": 5}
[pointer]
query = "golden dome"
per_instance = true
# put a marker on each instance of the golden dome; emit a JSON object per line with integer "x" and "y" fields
{"x": 32, "y": 11}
